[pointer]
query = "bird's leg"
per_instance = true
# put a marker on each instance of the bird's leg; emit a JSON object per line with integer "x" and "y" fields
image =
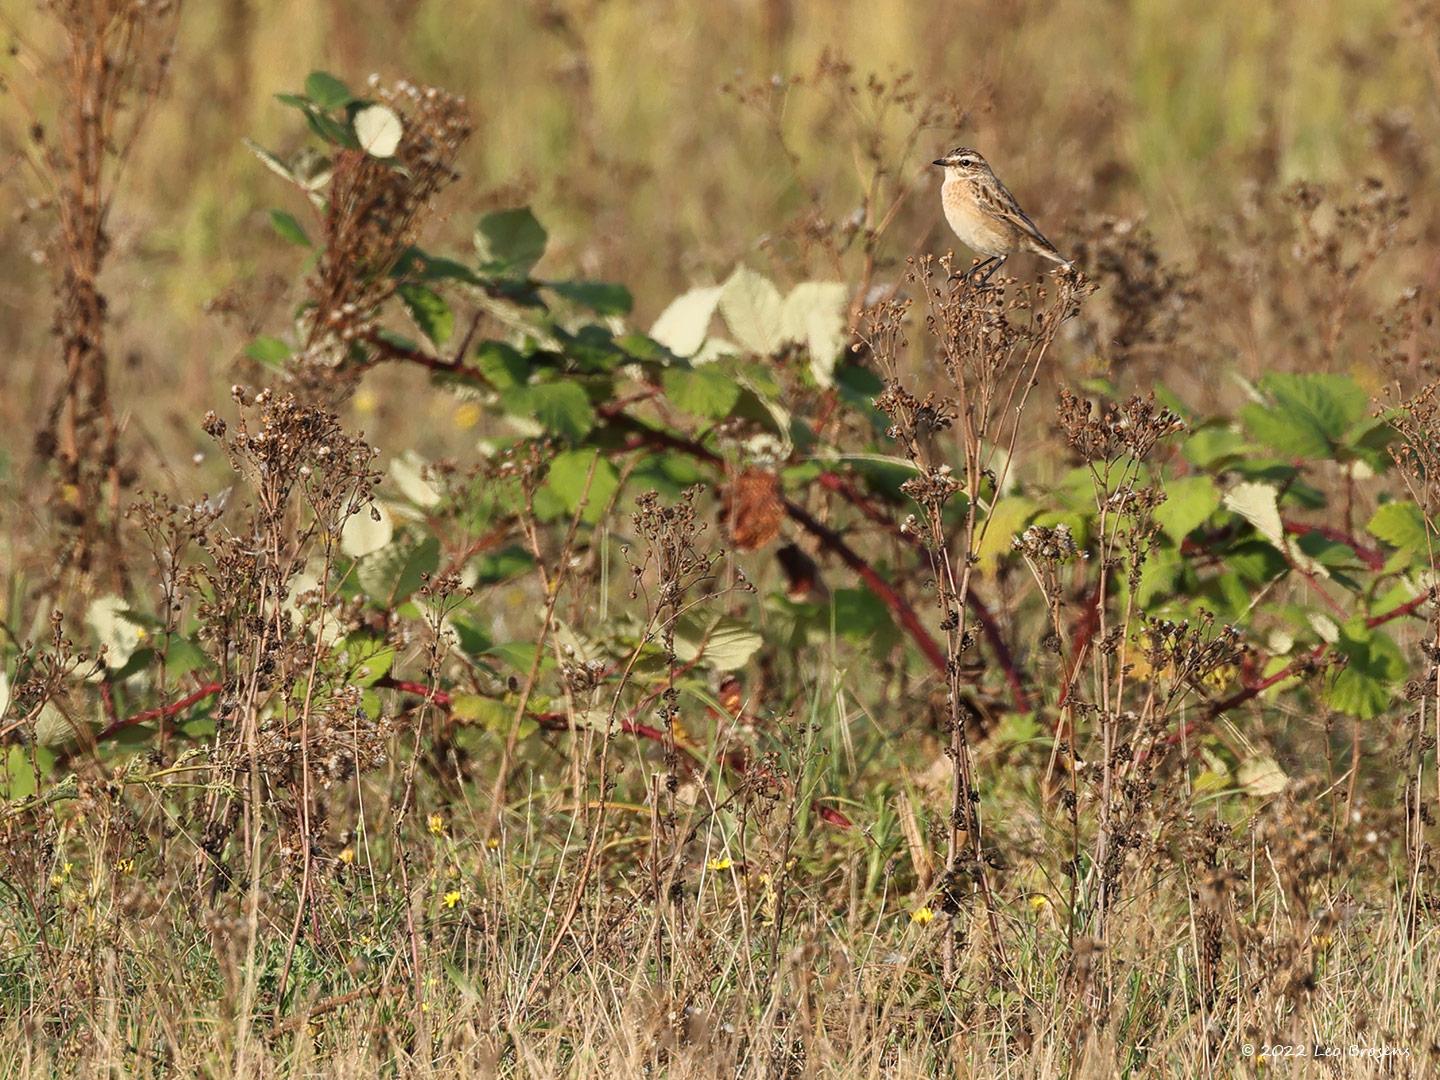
{"x": 998, "y": 260}
{"x": 971, "y": 274}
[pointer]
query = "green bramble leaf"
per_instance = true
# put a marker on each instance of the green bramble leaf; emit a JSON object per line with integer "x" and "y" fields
{"x": 1189, "y": 502}
{"x": 601, "y": 297}
{"x": 1401, "y": 525}
{"x": 703, "y": 391}
{"x": 1365, "y": 687}
{"x": 429, "y": 311}
{"x": 20, "y": 779}
{"x": 502, "y": 365}
{"x": 1159, "y": 577}
{"x": 510, "y": 242}
{"x": 367, "y": 658}
{"x": 1310, "y": 416}
{"x": 561, "y": 407}
{"x": 567, "y": 479}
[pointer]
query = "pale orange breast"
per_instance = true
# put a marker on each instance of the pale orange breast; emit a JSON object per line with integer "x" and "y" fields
{"x": 976, "y": 229}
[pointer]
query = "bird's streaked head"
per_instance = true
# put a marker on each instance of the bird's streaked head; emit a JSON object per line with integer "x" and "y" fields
{"x": 963, "y": 160}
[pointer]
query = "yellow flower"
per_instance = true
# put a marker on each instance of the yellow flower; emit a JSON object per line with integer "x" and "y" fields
{"x": 719, "y": 864}
{"x": 437, "y": 825}
{"x": 1322, "y": 941}
{"x": 125, "y": 866}
{"x": 347, "y": 856}
{"x": 466, "y": 416}
{"x": 452, "y": 898}
{"x": 922, "y": 915}
{"x": 493, "y": 843}
{"x": 1039, "y": 902}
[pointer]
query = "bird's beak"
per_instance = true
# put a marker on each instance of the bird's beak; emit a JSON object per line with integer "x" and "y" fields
{"x": 939, "y": 161}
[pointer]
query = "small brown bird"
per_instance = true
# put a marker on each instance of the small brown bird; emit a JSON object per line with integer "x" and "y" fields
{"x": 985, "y": 216}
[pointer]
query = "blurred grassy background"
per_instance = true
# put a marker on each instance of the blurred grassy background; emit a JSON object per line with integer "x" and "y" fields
{"x": 613, "y": 119}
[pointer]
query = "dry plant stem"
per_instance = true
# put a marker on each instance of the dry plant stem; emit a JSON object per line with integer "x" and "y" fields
{"x": 595, "y": 830}
{"x": 116, "y": 56}
{"x": 551, "y": 587}
{"x": 983, "y": 615}
{"x": 304, "y": 809}
{"x": 979, "y": 382}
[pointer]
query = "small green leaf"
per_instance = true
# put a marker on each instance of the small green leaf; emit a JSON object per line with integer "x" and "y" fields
{"x": 21, "y": 781}
{"x": 600, "y": 297}
{"x": 326, "y": 91}
{"x": 560, "y": 407}
{"x": 703, "y": 391}
{"x": 487, "y": 712}
{"x": 1401, "y": 525}
{"x": 288, "y": 228}
{"x": 421, "y": 265}
{"x": 1206, "y": 447}
{"x": 429, "y": 310}
{"x": 331, "y": 130}
{"x": 502, "y": 365}
{"x": 1189, "y": 501}
{"x": 270, "y": 351}
{"x": 860, "y": 616}
{"x": 519, "y": 655}
{"x": 490, "y": 713}
{"x": 567, "y": 479}
{"x": 510, "y": 242}
{"x": 497, "y": 566}
{"x": 368, "y": 659}
{"x": 472, "y": 637}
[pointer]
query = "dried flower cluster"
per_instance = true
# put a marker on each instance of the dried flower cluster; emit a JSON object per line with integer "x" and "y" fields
{"x": 374, "y": 213}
